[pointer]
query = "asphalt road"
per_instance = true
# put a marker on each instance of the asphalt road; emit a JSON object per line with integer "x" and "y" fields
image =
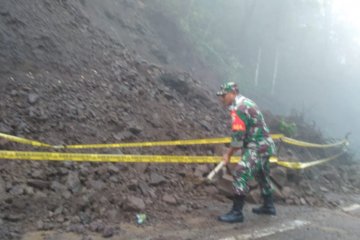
{"x": 292, "y": 222}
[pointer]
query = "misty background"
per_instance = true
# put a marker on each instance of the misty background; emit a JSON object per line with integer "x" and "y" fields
{"x": 292, "y": 57}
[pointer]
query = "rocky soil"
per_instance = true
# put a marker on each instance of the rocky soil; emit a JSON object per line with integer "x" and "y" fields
{"x": 66, "y": 77}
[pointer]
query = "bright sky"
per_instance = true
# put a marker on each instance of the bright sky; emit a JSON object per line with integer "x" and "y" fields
{"x": 348, "y": 11}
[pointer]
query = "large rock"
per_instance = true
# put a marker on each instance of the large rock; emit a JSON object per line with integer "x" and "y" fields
{"x": 97, "y": 184}
{"x": 279, "y": 176}
{"x": 134, "y": 204}
{"x": 73, "y": 182}
{"x": 225, "y": 186}
{"x": 108, "y": 232}
{"x": 32, "y": 98}
{"x": 287, "y": 192}
{"x": 37, "y": 173}
{"x": 141, "y": 167}
{"x": 170, "y": 199}
{"x": 2, "y": 189}
{"x": 97, "y": 226}
{"x": 332, "y": 176}
{"x": 40, "y": 184}
{"x": 14, "y": 217}
{"x": 211, "y": 190}
{"x": 18, "y": 189}
{"x": 156, "y": 179}
{"x": 201, "y": 170}
{"x": 57, "y": 187}
{"x": 4, "y": 128}
{"x": 254, "y": 196}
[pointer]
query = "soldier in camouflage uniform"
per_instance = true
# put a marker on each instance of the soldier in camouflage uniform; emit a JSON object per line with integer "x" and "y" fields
{"x": 251, "y": 136}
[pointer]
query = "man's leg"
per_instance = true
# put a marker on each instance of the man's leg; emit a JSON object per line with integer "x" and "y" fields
{"x": 243, "y": 173}
{"x": 263, "y": 178}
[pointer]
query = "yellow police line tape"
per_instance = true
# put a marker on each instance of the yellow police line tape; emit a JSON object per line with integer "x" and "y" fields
{"x": 84, "y": 157}
{"x": 314, "y": 145}
{"x": 24, "y": 141}
{"x": 162, "y": 143}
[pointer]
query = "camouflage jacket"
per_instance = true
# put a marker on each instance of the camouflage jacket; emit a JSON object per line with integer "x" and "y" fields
{"x": 248, "y": 127}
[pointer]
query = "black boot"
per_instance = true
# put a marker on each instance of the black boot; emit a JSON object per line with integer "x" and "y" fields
{"x": 235, "y": 215}
{"x": 267, "y": 208}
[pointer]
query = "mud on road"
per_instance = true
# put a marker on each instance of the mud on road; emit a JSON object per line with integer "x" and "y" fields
{"x": 292, "y": 222}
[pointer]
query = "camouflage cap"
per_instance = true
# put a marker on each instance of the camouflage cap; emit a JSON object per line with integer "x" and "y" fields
{"x": 226, "y": 88}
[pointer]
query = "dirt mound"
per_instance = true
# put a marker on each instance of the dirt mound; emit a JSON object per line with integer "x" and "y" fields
{"x": 65, "y": 81}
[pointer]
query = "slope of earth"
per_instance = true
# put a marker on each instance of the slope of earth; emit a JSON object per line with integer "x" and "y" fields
{"x": 64, "y": 80}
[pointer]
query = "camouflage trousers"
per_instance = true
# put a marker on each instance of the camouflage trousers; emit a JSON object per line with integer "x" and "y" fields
{"x": 252, "y": 166}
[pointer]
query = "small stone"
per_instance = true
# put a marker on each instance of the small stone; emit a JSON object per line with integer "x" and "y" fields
{"x": 345, "y": 189}
{"x": 97, "y": 226}
{"x": 32, "y": 98}
{"x": 201, "y": 170}
{"x": 2, "y": 188}
{"x": 114, "y": 179}
{"x": 37, "y": 173}
{"x": 40, "y": 225}
{"x": 60, "y": 219}
{"x": 40, "y": 195}
{"x": 324, "y": 189}
{"x": 287, "y": 192}
{"x": 134, "y": 204}
{"x": 122, "y": 135}
{"x": 169, "y": 199}
{"x": 112, "y": 214}
{"x": 135, "y": 129}
{"x": 66, "y": 194}
{"x": 141, "y": 167}
{"x": 77, "y": 228}
{"x": 57, "y": 187}
{"x": 310, "y": 200}
{"x": 14, "y": 217}
{"x": 211, "y": 190}
{"x": 144, "y": 188}
{"x": 156, "y": 179}
{"x": 29, "y": 190}
{"x": 17, "y": 189}
{"x": 279, "y": 175}
{"x": 183, "y": 208}
{"x": 254, "y": 197}
{"x": 206, "y": 125}
{"x": 113, "y": 169}
{"x": 108, "y": 232}
{"x": 13, "y": 92}
{"x": 97, "y": 184}
{"x": 4, "y": 128}
{"x": 103, "y": 199}
{"x": 73, "y": 182}
{"x": 86, "y": 238}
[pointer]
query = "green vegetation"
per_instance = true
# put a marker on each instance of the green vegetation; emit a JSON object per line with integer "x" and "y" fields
{"x": 288, "y": 129}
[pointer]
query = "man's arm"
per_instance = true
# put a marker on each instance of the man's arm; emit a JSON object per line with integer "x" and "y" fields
{"x": 227, "y": 156}
{"x": 238, "y": 134}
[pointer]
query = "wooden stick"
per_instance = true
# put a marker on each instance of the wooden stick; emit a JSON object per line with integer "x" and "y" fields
{"x": 215, "y": 170}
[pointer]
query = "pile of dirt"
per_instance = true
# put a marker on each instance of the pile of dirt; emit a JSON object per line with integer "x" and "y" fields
{"x": 67, "y": 79}
{"x": 63, "y": 81}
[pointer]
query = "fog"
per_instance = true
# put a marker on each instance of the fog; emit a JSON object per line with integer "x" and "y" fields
{"x": 288, "y": 55}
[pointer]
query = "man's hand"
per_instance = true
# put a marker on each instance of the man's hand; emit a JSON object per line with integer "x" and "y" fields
{"x": 226, "y": 158}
